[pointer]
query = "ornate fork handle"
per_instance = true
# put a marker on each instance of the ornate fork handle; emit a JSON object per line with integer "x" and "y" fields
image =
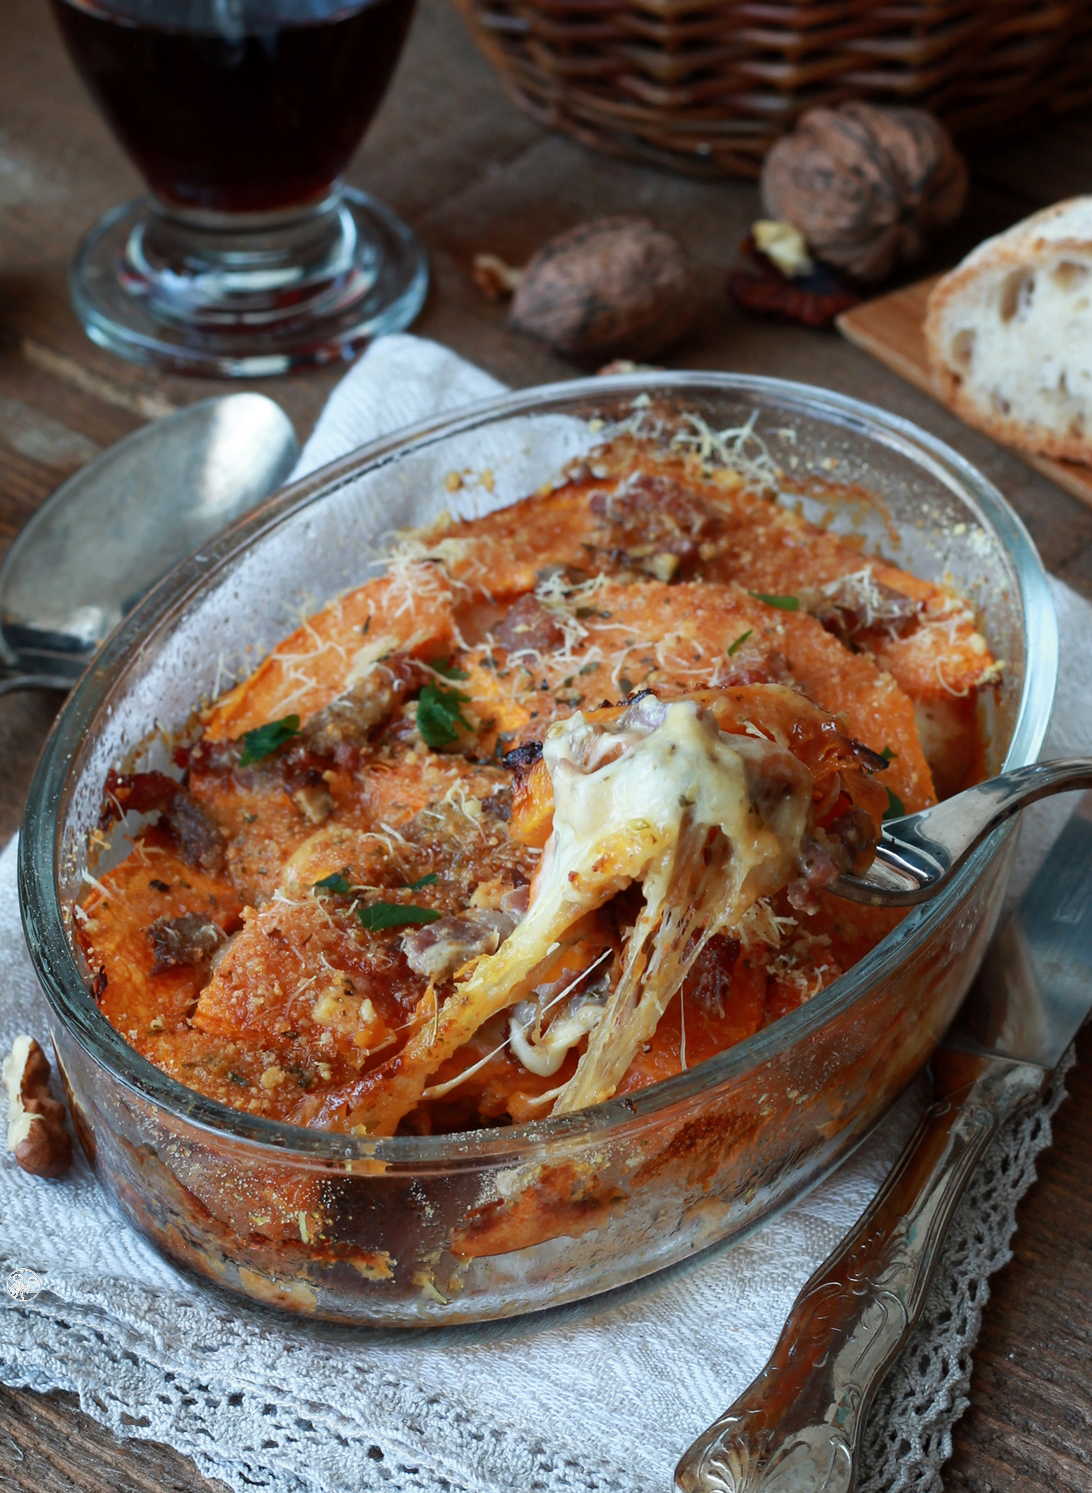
{"x": 798, "y": 1427}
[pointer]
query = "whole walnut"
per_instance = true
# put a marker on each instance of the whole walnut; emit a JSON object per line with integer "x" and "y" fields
{"x": 866, "y": 185}
{"x": 613, "y": 287}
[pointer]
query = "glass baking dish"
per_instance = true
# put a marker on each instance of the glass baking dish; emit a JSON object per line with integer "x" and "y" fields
{"x": 415, "y": 1230}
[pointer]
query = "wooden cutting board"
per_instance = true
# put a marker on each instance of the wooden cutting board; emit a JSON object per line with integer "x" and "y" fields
{"x": 890, "y": 328}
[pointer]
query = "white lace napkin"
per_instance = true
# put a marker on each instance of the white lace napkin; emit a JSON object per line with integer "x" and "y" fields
{"x": 597, "y": 1398}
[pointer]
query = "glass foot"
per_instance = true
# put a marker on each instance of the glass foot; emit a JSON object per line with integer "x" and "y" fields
{"x": 247, "y": 298}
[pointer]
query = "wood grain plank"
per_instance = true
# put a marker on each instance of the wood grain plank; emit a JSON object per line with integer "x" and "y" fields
{"x": 890, "y": 328}
{"x": 48, "y": 1446}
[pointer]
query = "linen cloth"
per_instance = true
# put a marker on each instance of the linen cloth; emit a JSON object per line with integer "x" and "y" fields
{"x": 599, "y": 1397}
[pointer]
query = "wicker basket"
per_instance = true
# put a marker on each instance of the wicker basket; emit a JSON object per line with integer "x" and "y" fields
{"x": 706, "y": 86}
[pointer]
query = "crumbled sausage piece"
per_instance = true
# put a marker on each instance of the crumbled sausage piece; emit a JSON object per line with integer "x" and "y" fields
{"x": 188, "y": 940}
{"x": 516, "y": 902}
{"x": 355, "y": 716}
{"x": 198, "y": 834}
{"x": 529, "y": 627}
{"x": 656, "y": 525}
{"x": 842, "y": 846}
{"x": 199, "y": 839}
{"x": 141, "y": 792}
{"x": 858, "y": 603}
{"x": 36, "y": 1128}
{"x": 437, "y": 950}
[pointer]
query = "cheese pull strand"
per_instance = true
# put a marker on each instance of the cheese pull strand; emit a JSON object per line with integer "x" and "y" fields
{"x": 729, "y": 815}
{"x": 706, "y": 822}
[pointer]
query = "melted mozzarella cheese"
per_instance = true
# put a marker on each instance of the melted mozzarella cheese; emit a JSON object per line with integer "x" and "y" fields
{"x": 706, "y": 823}
{"x": 635, "y": 785}
{"x": 545, "y": 1054}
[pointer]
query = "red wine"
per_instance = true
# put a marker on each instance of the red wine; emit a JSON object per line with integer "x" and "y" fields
{"x": 252, "y": 118}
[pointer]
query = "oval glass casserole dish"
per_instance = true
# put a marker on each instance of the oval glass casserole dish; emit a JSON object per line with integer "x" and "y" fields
{"x": 411, "y": 1229}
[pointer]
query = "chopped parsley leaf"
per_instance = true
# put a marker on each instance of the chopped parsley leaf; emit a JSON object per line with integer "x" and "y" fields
{"x": 786, "y": 603}
{"x": 382, "y": 915}
{"x": 448, "y": 669}
{"x": 739, "y": 642}
{"x": 888, "y": 755}
{"x": 589, "y": 668}
{"x": 895, "y": 807}
{"x": 438, "y": 715}
{"x": 625, "y": 684}
{"x": 263, "y": 740}
{"x": 335, "y": 882}
{"x": 430, "y": 880}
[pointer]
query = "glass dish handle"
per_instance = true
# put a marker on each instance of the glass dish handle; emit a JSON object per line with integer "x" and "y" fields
{"x": 797, "y": 1428}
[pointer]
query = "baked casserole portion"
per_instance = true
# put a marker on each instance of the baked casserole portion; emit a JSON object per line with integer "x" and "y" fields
{"x": 544, "y": 814}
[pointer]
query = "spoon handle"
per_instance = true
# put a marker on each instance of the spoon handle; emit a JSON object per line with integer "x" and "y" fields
{"x": 920, "y": 852}
{"x": 10, "y": 684}
{"x": 799, "y": 1425}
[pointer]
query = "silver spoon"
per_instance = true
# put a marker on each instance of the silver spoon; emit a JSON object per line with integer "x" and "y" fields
{"x": 121, "y": 522}
{"x": 920, "y": 852}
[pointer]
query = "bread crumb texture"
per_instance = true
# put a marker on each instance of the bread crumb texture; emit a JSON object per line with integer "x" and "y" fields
{"x": 1009, "y": 334}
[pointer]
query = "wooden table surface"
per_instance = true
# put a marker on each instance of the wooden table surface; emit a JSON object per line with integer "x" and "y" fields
{"x": 471, "y": 173}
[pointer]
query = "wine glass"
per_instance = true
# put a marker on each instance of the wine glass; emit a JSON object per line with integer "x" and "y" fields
{"x": 248, "y": 256}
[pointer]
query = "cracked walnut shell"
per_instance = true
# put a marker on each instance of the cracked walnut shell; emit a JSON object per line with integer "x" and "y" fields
{"x": 865, "y": 185}
{"x": 36, "y": 1129}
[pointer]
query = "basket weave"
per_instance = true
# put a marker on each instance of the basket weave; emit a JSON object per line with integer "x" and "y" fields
{"x": 706, "y": 86}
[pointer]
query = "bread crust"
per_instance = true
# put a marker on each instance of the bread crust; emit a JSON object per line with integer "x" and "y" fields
{"x": 1023, "y": 246}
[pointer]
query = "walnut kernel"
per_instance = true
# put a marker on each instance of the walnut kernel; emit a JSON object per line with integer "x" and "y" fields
{"x": 36, "y": 1129}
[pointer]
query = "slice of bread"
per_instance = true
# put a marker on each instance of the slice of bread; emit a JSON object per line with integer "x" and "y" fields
{"x": 1009, "y": 333}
